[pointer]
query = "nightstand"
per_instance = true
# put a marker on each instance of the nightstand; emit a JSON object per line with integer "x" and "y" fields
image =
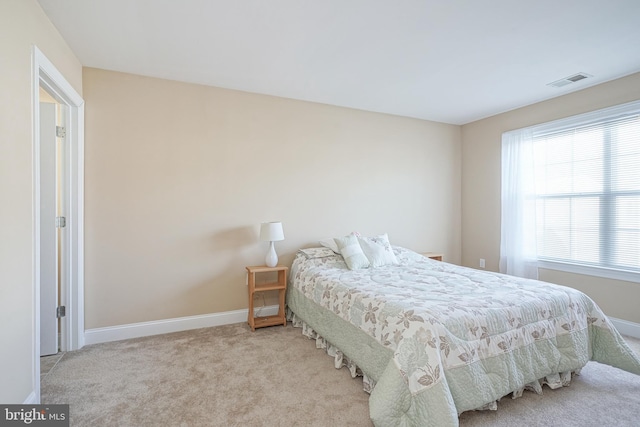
{"x": 433, "y": 255}
{"x": 280, "y": 285}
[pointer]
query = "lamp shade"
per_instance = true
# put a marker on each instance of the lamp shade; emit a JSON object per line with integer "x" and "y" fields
{"x": 271, "y": 232}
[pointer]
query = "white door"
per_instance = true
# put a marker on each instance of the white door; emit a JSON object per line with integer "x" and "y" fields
{"x": 48, "y": 231}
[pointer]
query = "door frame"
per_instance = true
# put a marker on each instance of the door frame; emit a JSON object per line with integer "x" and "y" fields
{"x": 46, "y": 75}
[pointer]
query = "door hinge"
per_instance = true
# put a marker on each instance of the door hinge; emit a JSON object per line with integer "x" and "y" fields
{"x": 61, "y": 131}
{"x": 61, "y": 311}
{"x": 61, "y": 222}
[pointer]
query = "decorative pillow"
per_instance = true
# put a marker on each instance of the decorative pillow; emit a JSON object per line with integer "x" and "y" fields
{"x": 331, "y": 244}
{"x": 378, "y": 250}
{"x": 312, "y": 253}
{"x": 352, "y": 252}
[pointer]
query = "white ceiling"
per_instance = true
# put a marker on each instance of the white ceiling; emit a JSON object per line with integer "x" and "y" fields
{"x": 452, "y": 61}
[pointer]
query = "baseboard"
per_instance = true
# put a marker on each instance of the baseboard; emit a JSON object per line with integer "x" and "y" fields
{"x": 31, "y": 399}
{"x": 144, "y": 329}
{"x": 626, "y": 328}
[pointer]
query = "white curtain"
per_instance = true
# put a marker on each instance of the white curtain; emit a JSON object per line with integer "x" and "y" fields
{"x": 518, "y": 254}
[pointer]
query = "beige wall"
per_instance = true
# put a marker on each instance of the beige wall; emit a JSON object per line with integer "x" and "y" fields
{"x": 481, "y": 151}
{"x": 179, "y": 176}
{"x": 22, "y": 23}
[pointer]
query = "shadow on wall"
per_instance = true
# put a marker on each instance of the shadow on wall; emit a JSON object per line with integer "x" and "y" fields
{"x": 222, "y": 285}
{"x": 234, "y": 238}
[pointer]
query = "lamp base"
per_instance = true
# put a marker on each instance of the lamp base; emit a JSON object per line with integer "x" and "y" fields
{"x": 272, "y": 257}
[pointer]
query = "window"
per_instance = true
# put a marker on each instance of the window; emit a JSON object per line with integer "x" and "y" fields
{"x": 584, "y": 188}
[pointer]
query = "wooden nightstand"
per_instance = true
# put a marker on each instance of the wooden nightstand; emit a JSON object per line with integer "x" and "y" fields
{"x": 280, "y": 285}
{"x": 433, "y": 255}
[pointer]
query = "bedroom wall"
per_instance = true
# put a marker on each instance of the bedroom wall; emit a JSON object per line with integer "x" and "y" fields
{"x": 22, "y": 23}
{"x": 179, "y": 177}
{"x": 481, "y": 156}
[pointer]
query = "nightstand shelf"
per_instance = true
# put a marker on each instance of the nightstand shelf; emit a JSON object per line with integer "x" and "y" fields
{"x": 279, "y": 285}
{"x": 268, "y": 287}
{"x": 261, "y": 322}
{"x": 433, "y": 255}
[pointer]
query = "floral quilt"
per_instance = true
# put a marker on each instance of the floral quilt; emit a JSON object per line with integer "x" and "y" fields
{"x": 437, "y": 317}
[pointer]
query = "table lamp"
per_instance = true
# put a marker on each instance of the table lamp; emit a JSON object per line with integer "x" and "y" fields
{"x": 271, "y": 232}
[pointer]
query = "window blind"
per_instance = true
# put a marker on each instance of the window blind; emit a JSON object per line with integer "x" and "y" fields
{"x": 587, "y": 190}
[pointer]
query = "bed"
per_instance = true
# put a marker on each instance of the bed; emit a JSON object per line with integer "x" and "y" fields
{"x": 433, "y": 339}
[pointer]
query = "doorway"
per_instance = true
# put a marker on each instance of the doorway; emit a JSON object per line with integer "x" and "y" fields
{"x": 71, "y": 243}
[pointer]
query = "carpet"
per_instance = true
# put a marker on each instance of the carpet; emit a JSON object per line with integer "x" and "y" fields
{"x": 230, "y": 376}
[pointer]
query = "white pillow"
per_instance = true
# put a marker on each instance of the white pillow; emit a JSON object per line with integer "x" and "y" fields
{"x": 331, "y": 244}
{"x": 378, "y": 250}
{"x": 352, "y": 252}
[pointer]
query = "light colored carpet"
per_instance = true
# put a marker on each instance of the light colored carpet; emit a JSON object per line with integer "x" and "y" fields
{"x": 229, "y": 376}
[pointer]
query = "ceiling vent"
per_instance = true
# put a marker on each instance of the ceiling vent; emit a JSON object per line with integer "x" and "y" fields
{"x": 568, "y": 80}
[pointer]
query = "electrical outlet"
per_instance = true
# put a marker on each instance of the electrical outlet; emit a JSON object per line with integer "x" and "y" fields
{"x": 482, "y": 263}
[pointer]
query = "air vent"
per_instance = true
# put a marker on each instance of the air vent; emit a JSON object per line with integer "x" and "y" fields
{"x": 577, "y": 77}
{"x": 568, "y": 80}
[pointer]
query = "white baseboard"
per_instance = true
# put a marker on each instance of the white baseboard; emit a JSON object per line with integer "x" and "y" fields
{"x": 626, "y": 328}
{"x": 31, "y": 399}
{"x": 143, "y": 329}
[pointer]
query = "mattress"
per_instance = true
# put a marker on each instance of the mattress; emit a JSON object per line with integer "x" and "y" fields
{"x": 434, "y": 339}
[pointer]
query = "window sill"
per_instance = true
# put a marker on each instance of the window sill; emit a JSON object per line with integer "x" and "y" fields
{"x": 627, "y": 276}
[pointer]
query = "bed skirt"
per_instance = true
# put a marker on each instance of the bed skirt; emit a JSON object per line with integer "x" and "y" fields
{"x": 553, "y": 381}
{"x": 339, "y": 358}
